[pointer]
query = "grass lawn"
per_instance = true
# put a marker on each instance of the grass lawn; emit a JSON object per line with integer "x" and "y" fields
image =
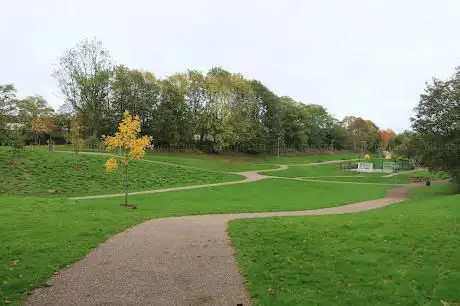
{"x": 42, "y": 235}
{"x": 400, "y": 178}
{"x": 307, "y": 158}
{"x": 210, "y": 162}
{"x": 34, "y": 173}
{"x": 332, "y": 172}
{"x": 317, "y": 170}
{"x": 405, "y": 254}
{"x": 266, "y": 195}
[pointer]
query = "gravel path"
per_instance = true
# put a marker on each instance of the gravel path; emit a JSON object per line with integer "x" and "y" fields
{"x": 172, "y": 261}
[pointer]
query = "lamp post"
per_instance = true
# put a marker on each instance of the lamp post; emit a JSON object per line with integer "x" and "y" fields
{"x": 363, "y": 142}
{"x": 278, "y": 153}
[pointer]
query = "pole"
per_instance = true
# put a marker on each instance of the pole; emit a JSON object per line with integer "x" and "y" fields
{"x": 278, "y": 148}
{"x": 126, "y": 184}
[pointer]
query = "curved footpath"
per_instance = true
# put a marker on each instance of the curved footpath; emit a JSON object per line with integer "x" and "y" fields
{"x": 171, "y": 261}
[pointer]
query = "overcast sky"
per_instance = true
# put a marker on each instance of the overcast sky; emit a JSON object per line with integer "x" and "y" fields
{"x": 364, "y": 58}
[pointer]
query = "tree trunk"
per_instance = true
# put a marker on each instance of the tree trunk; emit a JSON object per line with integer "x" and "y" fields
{"x": 126, "y": 184}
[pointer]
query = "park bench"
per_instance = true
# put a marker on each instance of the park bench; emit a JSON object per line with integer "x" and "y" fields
{"x": 348, "y": 166}
{"x": 418, "y": 179}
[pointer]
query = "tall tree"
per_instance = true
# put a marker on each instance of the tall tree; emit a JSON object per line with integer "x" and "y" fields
{"x": 83, "y": 75}
{"x": 437, "y": 124}
{"x": 7, "y": 109}
{"x": 385, "y": 137}
{"x": 361, "y": 134}
{"x": 269, "y": 111}
{"x": 293, "y": 122}
{"x": 136, "y": 91}
{"x": 34, "y": 114}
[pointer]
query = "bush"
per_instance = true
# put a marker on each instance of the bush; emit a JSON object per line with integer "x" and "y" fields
{"x": 93, "y": 142}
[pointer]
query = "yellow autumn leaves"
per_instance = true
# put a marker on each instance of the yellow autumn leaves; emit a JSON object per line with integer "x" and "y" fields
{"x": 127, "y": 141}
{"x": 111, "y": 165}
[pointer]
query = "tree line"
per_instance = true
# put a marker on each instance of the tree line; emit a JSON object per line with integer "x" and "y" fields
{"x": 214, "y": 110}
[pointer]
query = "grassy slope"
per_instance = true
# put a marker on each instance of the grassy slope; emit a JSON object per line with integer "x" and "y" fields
{"x": 34, "y": 173}
{"x": 210, "y": 162}
{"x": 406, "y": 254}
{"x": 42, "y": 235}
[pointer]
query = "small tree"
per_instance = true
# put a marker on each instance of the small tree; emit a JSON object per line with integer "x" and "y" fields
{"x": 128, "y": 143}
{"x": 41, "y": 125}
{"x": 74, "y": 136}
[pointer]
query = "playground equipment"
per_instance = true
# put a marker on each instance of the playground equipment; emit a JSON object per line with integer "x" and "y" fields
{"x": 378, "y": 165}
{"x": 365, "y": 167}
{"x": 389, "y": 167}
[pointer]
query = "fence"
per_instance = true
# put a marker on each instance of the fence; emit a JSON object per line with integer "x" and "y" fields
{"x": 193, "y": 147}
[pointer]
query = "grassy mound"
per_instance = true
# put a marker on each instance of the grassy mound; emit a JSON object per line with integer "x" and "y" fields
{"x": 64, "y": 174}
{"x": 406, "y": 254}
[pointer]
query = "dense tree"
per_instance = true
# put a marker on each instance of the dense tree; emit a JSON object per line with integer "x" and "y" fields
{"x": 361, "y": 133}
{"x": 404, "y": 144}
{"x": 386, "y": 136}
{"x": 269, "y": 112}
{"x": 34, "y": 115}
{"x": 437, "y": 125}
{"x": 135, "y": 91}
{"x": 215, "y": 110}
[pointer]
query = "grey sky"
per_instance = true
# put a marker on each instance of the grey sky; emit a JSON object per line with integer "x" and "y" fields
{"x": 363, "y": 58}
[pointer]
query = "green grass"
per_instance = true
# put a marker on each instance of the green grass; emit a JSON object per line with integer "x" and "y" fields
{"x": 210, "y": 162}
{"x": 332, "y": 172}
{"x": 306, "y": 158}
{"x": 266, "y": 195}
{"x": 43, "y": 235}
{"x": 405, "y": 254}
{"x": 231, "y": 161}
{"x": 317, "y": 170}
{"x": 34, "y": 173}
{"x": 400, "y": 178}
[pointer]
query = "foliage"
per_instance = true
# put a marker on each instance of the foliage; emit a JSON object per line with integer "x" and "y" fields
{"x": 130, "y": 145}
{"x": 126, "y": 139}
{"x": 361, "y": 134}
{"x": 7, "y": 108}
{"x": 403, "y": 255}
{"x": 385, "y": 138}
{"x": 404, "y": 144}
{"x": 92, "y": 142}
{"x": 437, "y": 125}
{"x": 83, "y": 75}
{"x": 217, "y": 109}
{"x": 15, "y": 140}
